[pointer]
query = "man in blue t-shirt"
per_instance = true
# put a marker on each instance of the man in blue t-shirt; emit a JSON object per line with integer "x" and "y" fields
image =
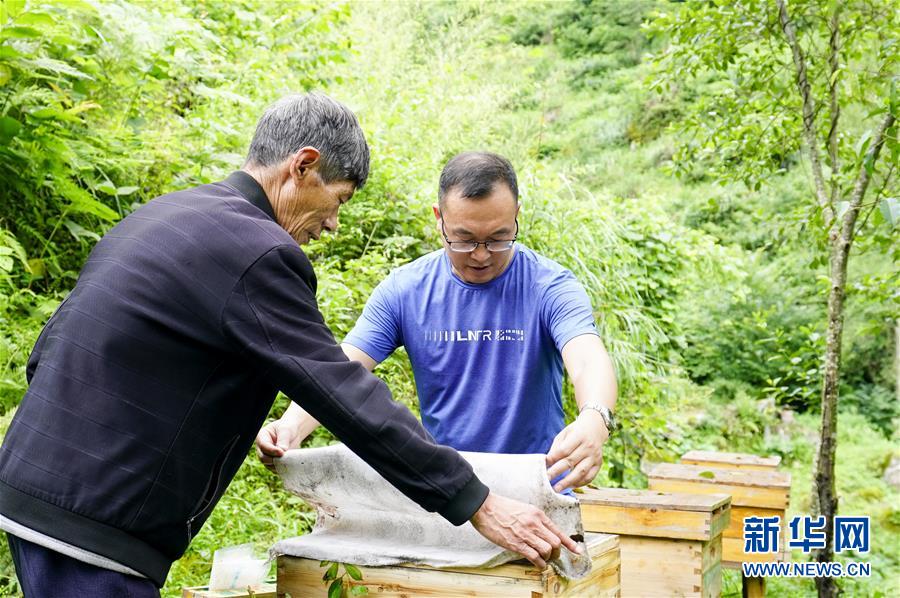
{"x": 488, "y": 326}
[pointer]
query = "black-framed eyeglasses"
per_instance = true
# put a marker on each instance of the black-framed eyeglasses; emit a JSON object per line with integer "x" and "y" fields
{"x": 470, "y": 246}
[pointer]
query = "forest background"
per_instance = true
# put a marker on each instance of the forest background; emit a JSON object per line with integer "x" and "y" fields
{"x": 709, "y": 289}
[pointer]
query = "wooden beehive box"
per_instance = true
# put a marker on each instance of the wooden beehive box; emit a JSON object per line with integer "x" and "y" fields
{"x": 266, "y": 591}
{"x": 301, "y": 577}
{"x": 670, "y": 544}
{"x": 717, "y": 460}
{"x": 754, "y": 493}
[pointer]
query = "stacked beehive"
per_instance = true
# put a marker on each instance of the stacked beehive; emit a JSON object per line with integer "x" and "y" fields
{"x": 670, "y": 543}
{"x": 756, "y": 488}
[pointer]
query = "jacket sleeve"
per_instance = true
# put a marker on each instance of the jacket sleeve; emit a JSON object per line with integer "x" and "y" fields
{"x": 272, "y": 317}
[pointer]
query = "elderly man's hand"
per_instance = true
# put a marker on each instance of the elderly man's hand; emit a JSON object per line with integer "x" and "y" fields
{"x": 578, "y": 449}
{"x": 522, "y": 528}
{"x": 275, "y": 438}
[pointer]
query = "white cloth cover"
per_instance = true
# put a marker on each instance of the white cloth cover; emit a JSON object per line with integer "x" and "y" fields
{"x": 364, "y": 520}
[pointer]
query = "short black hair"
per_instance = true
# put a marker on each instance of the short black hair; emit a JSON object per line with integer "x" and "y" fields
{"x": 318, "y": 121}
{"x": 475, "y": 174}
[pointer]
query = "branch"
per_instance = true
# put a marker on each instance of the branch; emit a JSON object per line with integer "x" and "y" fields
{"x": 862, "y": 181}
{"x": 834, "y": 65}
{"x": 809, "y": 120}
{"x": 874, "y": 202}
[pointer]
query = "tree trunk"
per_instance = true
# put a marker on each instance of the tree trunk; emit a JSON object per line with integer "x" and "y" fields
{"x": 824, "y": 476}
{"x": 841, "y": 236}
{"x": 897, "y": 358}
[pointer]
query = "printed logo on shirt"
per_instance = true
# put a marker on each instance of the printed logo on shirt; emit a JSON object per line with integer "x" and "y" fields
{"x": 475, "y": 336}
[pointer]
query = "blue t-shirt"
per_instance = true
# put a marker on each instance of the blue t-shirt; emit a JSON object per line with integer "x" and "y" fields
{"x": 486, "y": 357}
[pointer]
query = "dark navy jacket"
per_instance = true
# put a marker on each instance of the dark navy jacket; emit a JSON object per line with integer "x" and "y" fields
{"x": 152, "y": 379}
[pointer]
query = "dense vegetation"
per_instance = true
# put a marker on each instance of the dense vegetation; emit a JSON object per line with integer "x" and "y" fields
{"x": 709, "y": 289}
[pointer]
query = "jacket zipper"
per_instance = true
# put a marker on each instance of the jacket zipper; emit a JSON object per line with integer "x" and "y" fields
{"x": 211, "y": 486}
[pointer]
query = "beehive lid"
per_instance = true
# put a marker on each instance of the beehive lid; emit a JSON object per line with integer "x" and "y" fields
{"x": 735, "y": 460}
{"x": 654, "y": 514}
{"x": 649, "y": 499}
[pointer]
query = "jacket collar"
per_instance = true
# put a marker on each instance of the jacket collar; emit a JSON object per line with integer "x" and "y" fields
{"x": 251, "y": 190}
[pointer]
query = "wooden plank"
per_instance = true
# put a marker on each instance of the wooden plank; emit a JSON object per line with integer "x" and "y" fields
{"x": 740, "y": 495}
{"x": 735, "y": 528}
{"x": 598, "y": 545}
{"x": 720, "y": 520}
{"x": 765, "y": 489}
{"x": 733, "y": 554}
{"x": 265, "y": 591}
{"x": 303, "y": 577}
{"x": 653, "y": 567}
{"x": 604, "y": 581}
{"x": 735, "y": 477}
{"x": 669, "y": 567}
{"x": 622, "y": 497}
{"x": 711, "y": 553}
{"x": 685, "y": 525}
{"x": 731, "y": 460}
{"x": 648, "y": 513}
{"x": 712, "y": 582}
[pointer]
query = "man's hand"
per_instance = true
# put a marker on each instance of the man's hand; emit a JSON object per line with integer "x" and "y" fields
{"x": 578, "y": 449}
{"x": 522, "y": 528}
{"x": 276, "y": 438}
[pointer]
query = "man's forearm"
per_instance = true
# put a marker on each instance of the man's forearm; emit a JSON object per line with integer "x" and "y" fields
{"x": 597, "y": 385}
{"x": 591, "y": 371}
{"x": 296, "y": 417}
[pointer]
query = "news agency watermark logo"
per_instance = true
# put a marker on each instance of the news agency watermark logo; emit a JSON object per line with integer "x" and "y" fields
{"x": 762, "y": 535}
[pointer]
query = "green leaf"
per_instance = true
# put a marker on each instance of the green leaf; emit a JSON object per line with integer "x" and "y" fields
{"x": 57, "y": 67}
{"x": 707, "y": 474}
{"x": 38, "y": 19}
{"x": 212, "y": 92}
{"x": 8, "y": 53}
{"x": 894, "y": 102}
{"x": 108, "y": 188}
{"x": 79, "y": 232}
{"x": 11, "y": 9}
{"x": 47, "y": 113}
{"x": 82, "y": 107}
{"x": 359, "y": 590}
{"x": 83, "y": 202}
{"x": 36, "y": 267}
{"x": 331, "y": 573}
{"x": 890, "y": 209}
{"x": 841, "y": 209}
{"x": 5, "y": 74}
{"x": 19, "y": 32}
{"x": 862, "y": 145}
{"x": 123, "y": 191}
{"x": 869, "y": 163}
{"x": 9, "y": 128}
{"x": 336, "y": 589}
{"x": 352, "y": 571}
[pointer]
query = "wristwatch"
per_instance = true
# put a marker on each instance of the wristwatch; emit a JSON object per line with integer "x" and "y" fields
{"x": 608, "y": 418}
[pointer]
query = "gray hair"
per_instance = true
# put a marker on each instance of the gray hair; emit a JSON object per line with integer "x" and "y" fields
{"x": 314, "y": 120}
{"x": 474, "y": 174}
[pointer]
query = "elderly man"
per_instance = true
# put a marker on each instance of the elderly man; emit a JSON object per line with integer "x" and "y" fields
{"x": 150, "y": 382}
{"x": 488, "y": 325}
